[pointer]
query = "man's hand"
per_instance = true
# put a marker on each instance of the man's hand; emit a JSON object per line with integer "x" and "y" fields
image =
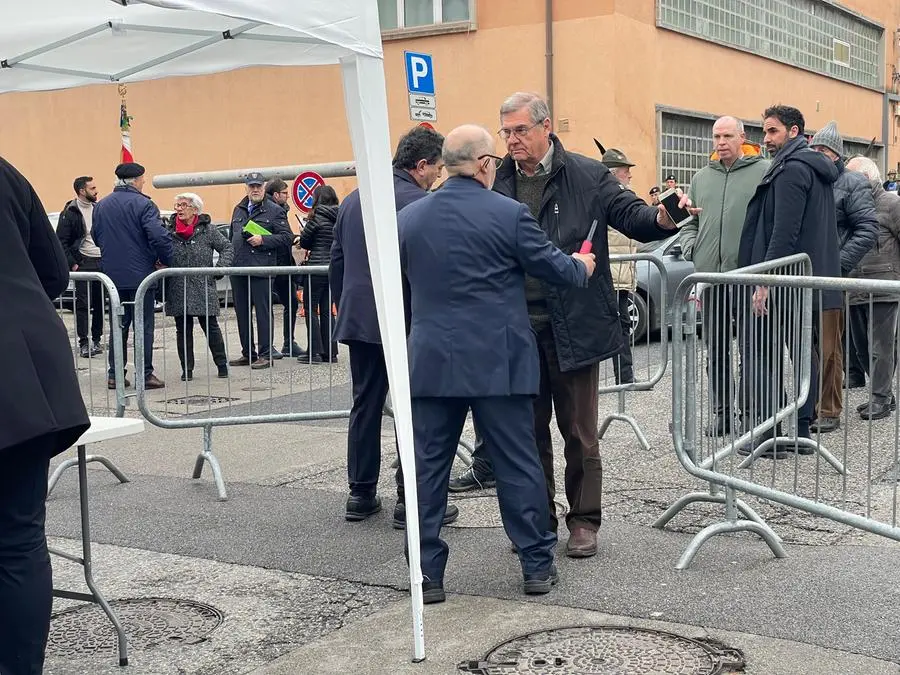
{"x": 75, "y": 268}
{"x": 255, "y": 240}
{"x": 665, "y": 221}
{"x": 760, "y": 296}
{"x": 589, "y": 262}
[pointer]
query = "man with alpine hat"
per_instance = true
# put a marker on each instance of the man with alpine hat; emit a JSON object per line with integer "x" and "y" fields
{"x": 623, "y": 275}
{"x": 133, "y": 243}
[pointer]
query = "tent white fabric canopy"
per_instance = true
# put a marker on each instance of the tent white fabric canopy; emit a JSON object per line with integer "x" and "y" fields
{"x": 59, "y": 44}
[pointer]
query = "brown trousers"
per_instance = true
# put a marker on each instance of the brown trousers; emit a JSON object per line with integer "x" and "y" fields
{"x": 573, "y": 395}
{"x": 831, "y": 402}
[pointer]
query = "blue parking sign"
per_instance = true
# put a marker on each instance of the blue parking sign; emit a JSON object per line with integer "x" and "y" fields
{"x": 419, "y": 73}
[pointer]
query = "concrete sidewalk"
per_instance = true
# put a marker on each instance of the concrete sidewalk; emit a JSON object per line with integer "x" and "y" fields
{"x": 466, "y": 627}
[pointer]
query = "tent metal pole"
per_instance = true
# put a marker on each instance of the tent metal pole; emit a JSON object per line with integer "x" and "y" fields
{"x": 55, "y": 45}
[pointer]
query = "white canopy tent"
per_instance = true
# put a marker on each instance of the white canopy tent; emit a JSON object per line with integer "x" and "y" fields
{"x": 60, "y": 44}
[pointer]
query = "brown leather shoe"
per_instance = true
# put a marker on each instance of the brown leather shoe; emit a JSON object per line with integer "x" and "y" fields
{"x": 582, "y": 543}
{"x": 240, "y": 361}
{"x": 153, "y": 382}
{"x": 111, "y": 383}
{"x": 261, "y": 364}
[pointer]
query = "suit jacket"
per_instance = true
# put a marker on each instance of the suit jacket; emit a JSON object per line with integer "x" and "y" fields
{"x": 350, "y": 276}
{"x": 40, "y": 397}
{"x": 465, "y": 251}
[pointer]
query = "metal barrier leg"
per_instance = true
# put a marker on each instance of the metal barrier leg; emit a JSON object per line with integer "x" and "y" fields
{"x": 622, "y": 416}
{"x": 801, "y": 443}
{"x": 207, "y": 456}
{"x": 731, "y": 524}
{"x": 711, "y": 497}
{"x": 61, "y": 469}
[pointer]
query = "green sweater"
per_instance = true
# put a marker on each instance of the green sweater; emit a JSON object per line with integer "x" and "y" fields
{"x": 712, "y": 239}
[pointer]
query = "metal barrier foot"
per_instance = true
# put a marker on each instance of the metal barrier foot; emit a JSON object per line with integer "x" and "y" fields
{"x": 817, "y": 448}
{"x": 763, "y": 530}
{"x": 207, "y": 456}
{"x": 61, "y": 469}
{"x": 684, "y": 501}
{"x": 630, "y": 421}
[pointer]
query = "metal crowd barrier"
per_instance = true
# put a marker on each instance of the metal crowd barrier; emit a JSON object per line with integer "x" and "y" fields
{"x": 741, "y": 426}
{"x": 207, "y": 400}
{"x": 92, "y": 300}
{"x": 646, "y": 313}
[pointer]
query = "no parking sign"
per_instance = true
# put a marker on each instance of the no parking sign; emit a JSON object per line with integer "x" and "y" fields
{"x": 304, "y": 186}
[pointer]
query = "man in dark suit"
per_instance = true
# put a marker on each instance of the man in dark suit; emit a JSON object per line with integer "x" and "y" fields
{"x": 465, "y": 251}
{"x": 417, "y": 165}
{"x": 43, "y": 414}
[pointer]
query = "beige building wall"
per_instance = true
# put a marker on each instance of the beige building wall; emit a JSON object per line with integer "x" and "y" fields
{"x": 612, "y": 68}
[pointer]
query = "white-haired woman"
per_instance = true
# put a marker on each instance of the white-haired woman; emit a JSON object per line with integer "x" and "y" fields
{"x": 187, "y": 297}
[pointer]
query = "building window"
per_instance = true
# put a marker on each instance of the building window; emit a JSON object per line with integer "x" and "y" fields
{"x": 415, "y": 13}
{"x": 685, "y": 145}
{"x": 810, "y": 34}
{"x": 841, "y": 52}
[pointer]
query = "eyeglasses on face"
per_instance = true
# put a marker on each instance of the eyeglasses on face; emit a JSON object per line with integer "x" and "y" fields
{"x": 183, "y": 205}
{"x": 497, "y": 160}
{"x": 519, "y": 131}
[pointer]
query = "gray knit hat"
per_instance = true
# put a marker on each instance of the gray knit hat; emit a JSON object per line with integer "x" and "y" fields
{"x": 829, "y": 137}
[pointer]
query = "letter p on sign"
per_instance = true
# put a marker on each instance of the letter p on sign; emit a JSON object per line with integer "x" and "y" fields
{"x": 419, "y": 73}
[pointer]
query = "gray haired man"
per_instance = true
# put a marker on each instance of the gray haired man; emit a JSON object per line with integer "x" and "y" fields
{"x": 873, "y": 321}
{"x": 576, "y": 327}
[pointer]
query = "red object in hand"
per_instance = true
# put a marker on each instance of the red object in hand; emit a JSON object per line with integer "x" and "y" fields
{"x": 587, "y": 244}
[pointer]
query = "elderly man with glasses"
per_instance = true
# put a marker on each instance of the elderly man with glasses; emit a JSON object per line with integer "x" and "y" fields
{"x": 576, "y": 328}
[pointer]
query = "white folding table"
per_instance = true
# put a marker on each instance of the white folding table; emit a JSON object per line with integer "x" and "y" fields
{"x": 102, "y": 429}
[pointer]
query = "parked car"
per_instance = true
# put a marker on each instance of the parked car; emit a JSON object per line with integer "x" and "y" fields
{"x": 643, "y": 304}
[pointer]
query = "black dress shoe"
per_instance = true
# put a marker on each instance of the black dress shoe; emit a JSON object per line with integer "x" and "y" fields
{"x": 360, "y": 508}
{"x": 188, "y": 376}
{"x": 399, "y": 521}
{"x": 433, "y": 592}
{"x": 863, "y": 406}
{"x": 875, "y": 411}
{"x": 541, "y": 582}
{"x": 825, "y": 425}
{"x": 470, "y": 479}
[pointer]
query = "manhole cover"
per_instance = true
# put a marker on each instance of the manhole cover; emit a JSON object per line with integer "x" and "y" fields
{"x": 148, "y": 623}
{"x": 483, "y": 510}
{"x": 200, "y": 400}
{"x": 606, "y": 650}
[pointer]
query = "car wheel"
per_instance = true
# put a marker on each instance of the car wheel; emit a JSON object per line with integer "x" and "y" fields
{"x": 639, "y": 315}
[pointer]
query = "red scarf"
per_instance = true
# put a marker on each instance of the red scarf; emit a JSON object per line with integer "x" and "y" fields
{"x": 185, "y": 230}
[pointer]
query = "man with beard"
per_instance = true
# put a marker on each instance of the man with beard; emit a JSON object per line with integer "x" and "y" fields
{"x": 74, "y": 230}
{"x": 791, "y": 212}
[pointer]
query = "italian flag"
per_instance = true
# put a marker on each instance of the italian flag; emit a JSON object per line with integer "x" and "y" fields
{"x": 125, "y": 126}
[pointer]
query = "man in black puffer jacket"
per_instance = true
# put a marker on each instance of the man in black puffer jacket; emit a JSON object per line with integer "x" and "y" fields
{"x": 857, "y": 226}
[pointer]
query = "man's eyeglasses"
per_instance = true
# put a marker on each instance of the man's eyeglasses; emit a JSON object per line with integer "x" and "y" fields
{"x": 497, "y": 160}
{"x": 518, "y": 132}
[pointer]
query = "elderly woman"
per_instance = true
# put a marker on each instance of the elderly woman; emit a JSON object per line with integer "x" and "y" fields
{"x": 187, "y": 297}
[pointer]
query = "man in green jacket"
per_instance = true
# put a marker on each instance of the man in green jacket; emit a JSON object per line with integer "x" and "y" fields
{"x": 711, "y": 240}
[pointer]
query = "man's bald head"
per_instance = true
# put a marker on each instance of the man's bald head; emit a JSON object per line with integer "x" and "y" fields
{"x": 463, "y": 146}
{"x": 728, "y": 137}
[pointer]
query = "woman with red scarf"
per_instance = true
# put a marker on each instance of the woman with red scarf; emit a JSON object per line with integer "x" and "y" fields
{"x": 187, "y": 297}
